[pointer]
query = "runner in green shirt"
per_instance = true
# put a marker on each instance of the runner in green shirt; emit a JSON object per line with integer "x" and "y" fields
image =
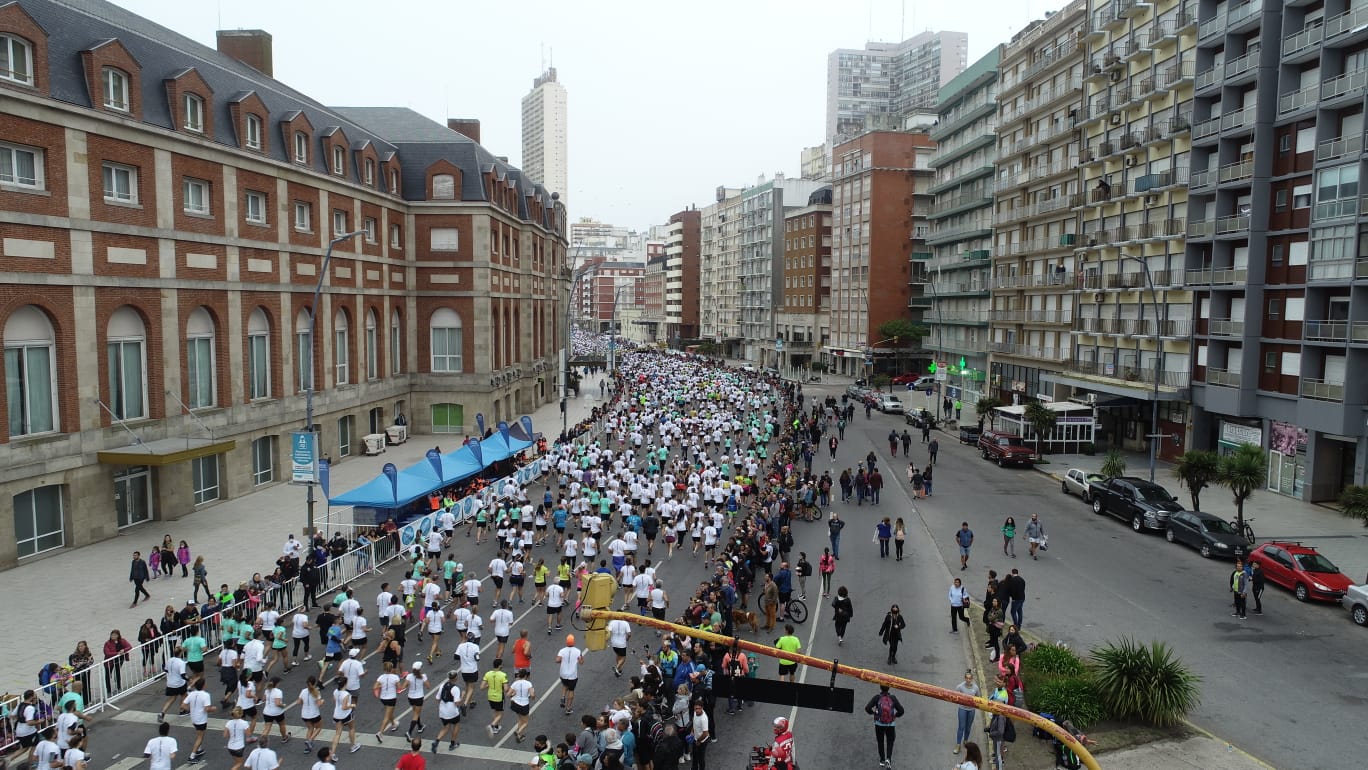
{"x": 788, "y": 643}
{"x": 494, "y": 681}
{"x": 193, "y": 647}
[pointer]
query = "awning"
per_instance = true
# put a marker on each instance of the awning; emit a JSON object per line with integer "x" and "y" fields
{"x": 166, "y": 451}
{"x": 1053, "y": 406}
{"x": 1139, "y": 393}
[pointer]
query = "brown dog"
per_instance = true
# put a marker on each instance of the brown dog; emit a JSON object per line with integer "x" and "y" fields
{"x": 744, "y": 618}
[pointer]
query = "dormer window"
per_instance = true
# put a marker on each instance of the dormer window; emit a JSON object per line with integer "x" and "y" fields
{"x": 301, "y": 147}
{"x": 16, "y": 60}
{"x": 115, "y": 85}
{"x": 393, "y": 182}
{"x": 194, "y": 113}
{"x": 339, "y": 161}
{"x": 370, "y": 172}
{"x": 252, "y": 132}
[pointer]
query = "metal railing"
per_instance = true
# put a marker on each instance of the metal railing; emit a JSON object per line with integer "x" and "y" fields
{"x": 1349, "y": 82}
{"x": 1345, "y": 22}
{"x": 1306, "y": 95}
{"x": 1325, "y": 331}
{"x": 1222, "y": 377}
{"x": 1339, "y": 147}
{"x": 1225, "y": 328}
{"x": 1320, "y": 390}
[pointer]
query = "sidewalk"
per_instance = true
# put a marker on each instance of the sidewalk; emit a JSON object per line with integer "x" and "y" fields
{"x": 83, "y": 593}
{"x": 1274, "y": 517}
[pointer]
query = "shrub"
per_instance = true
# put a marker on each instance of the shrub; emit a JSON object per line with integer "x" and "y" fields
{"x": 1075, "y": 698}
{"x": 1052, "y": 659}
{"x": 1114, "y": 464}
{"x": 1354, "y": 502}
{"x": 1144, "y": 683}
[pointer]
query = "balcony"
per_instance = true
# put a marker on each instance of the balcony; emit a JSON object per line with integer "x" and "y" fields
{"x": 1034, "y": 316}
{"x": 1222, "y": 377}
{"x": 1177, "y": 73}
{"x": 1225, "y": 328}
{"x": 1200, "y": 228}
{"x": 1333, "y": 149}
{"x": 951, "y": 234}
{"x": 1320, "y": 390}
{"x": 1350, "y": 82}
{"x": 921, "y": 256}
{"x": 1028, "y": 351}
{"x": 1325, "y": 331}
{"x": 969, "y": 199}
{"x": 959, "y": 119}
{"x": 1305, "y": 96}
{"x": 1236, "y": 172}
{"x": 1337, "y": 209}
{"x": 1167, "y": 378}
{"x": 1220, "y": 276}
{"x": 1207, "y": 78}
{"x": 1204, "y": 178}
{"x": 1238, "y": 223}
{"x": 1238, "y": 118}
{"x": 1239, "y": 13}
{"x": 1301, "y": 41}
{"x": 1346, "y": 22}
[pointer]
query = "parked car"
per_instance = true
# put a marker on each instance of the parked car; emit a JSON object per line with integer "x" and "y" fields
{"x": 890, "y": 404}
{"x": 920, "y": 417}
{"x": 1132, "y": 499}
{"x": 1355, "y": 600}
{"x": 1077, "y": 482}
{"x": 923, "y": 382}
{"x": 969, "y": 434}
{"x": 1004, "y": 449}
{"x": 1302, "y": 569}
{"x": 857, "y": 391}
{"x": 905, "y": 378}
{"x": 1210, "y": 535}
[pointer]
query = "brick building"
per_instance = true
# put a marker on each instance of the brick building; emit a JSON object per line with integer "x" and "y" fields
{"x": 801, "y": 321}
{"x": 165, "y": 210}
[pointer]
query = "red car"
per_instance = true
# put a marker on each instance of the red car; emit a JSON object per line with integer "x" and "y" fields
{"x": 1300, "y": 568}
{"x": 906, "y": 378}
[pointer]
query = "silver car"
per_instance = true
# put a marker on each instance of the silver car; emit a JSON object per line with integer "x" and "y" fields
{"x": 1077, "y": 481}
{"x": 890, "y": 404}
{"x": 1355, "y": 600}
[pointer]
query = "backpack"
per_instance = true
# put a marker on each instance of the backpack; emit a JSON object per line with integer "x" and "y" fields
{"x": 884, "y": 711}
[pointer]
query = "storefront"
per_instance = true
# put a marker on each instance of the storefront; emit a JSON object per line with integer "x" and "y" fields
{"x": 1074, "y": 425}
{"x": 1287, "y": 461}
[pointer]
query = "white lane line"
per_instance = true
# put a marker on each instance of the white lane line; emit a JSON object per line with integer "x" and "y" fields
{"x": 812, "y": 635}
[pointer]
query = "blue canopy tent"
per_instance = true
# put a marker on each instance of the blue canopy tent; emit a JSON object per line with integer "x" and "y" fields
{"x": 495, "y": 448}
{"x": 379, "y": 493}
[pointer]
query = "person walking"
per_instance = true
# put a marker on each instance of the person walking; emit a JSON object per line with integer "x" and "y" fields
{"x": 1009, "y": 537}
{"x": 959, "y": 603}
{"x": 906, "y": 439}
{"x": 883, "y": 533}
{"x": 875, "y": 484}
{"x": 804, "y": 571}
{"x": 789, "y": 642}
{"x": 138, "y": 574}
{"x": 965, "y": 727}
{"x": 1016, "y": 592}
{"x": 899, "y": 537}
{"x": 1035, "y": 534}
{"x": 893, "y": 443}
{"x": 832, "y": 444}
{"x": 891, "y": 632}
{"x": 843, "y": 611}
{"x": 931, "y": 449}
{"x": 826, "y": 567}
{"x": 885, "y": 709}
{"x": 926, "y": 481}
{"x": 964, "y": 537}
{"x": 1256, "y": 582}
{"x": 1239, "y": 588}
{"x": 834, "y": 526}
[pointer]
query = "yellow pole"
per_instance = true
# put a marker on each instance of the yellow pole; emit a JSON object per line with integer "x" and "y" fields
{"x": 863, "y": 674}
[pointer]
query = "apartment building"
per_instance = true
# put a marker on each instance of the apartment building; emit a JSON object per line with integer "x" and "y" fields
{"x": 600, "y": 290}
{"x": 802, "y": 324}
{"x": 544, "y": 134}
{"x": 719, "y": 258}
{"x": 1275, "y": 238}
{"x": 1133, "y": 318}
{"x": 955, "y": 271}
{"x": 1034, "y": 271}
{"x": 647, "y": 303}
{"x": 761, "y": 260}
{"x": 682, "y": 236}
{"x": 876, "y": 88}
{"x": 167, "y": 212}
{"x": 880, "y": 199}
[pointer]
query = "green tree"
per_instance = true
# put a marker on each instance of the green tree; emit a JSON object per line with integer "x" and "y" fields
{"x": 1114, "y": 464}
{"x": 1196, "y": 470}
{"x": 1242, "y": 472}
{"x": 985, "y": 406}
{"x": 1145, "y": 682}
{"x": 907, "y": 333}
{"x": 1041, "y": 419}
{"x": 880, "y": 381}
{"x": 1354, "y": 501}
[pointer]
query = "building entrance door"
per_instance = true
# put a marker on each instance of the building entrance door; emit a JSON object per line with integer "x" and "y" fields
{"x": 133, "y": 495}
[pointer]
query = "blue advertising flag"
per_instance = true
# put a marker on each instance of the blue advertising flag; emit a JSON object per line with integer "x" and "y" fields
{"x": 392, "y": 473}
{"x": 527, "y": 425}
{"x": 435, "y": 458}
{"x": 479, "y": 422}
{"x": 503, "y": 430}
{"x": 476, "y": 450}
{"x": 323, "y": 468}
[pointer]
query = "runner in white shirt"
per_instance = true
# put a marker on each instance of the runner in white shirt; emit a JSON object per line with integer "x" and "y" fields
{"x": 569, "y": 659}
{"x": 235, "y": 731}
{"x": 555, "y": 602}
{"x": 619, "y": 633}
{"x": 476, "y": 626}
{"x": 310, "y": 703}
{"x": 641, "y": 590}
{"x": 709, "y": 544}
{"x": 162, "y": 749}
{"x": 520, "y": 695}
{"x": 436, "y": 624}
{"x": 273, "y": 708}
{"x": 415, "y": 688}
{"x": 386, "y": 688}
{"x": 498, "y": 569}
{"x": 343, "y": 716}
{"x": 468, "y": 655}
{"x": 449, "y": 711}
{"x": 502, "y": 620}
{"x": 199, "y": 703}
{"x": 472, "y": 590}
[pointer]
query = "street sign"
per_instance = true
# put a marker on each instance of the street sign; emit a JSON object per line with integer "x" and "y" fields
{"x": 942, "y": 371}
{"x": 779, "y": 345}
{"x": 303, "y": 457}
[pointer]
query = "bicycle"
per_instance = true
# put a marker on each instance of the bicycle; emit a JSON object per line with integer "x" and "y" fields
{"x": 1247, "y": 531}
{"x": 796, "y": 610}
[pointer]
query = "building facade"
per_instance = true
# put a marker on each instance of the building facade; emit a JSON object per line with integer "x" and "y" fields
{"x": 956, "y": 269}
{"x": 761, "y": 260}
{"x": 601, "y": 289}
{"x": 719, "y": 261}
{"x": 545, "y": 134}
{"x": 166, "y": 212}
{"x": 880, "y": 199}
{"x": 876, "y": 87}
{"x": 682, "y": 246}
{"x": 802, "y": 325}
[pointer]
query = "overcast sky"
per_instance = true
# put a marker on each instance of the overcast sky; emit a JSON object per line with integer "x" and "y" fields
{"x": 666, "y": 100}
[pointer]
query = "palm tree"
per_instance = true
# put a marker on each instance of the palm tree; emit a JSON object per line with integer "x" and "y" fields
{"x": 1354, "y": 501}
{"x": 1242, "y": 472}
{"x": 1041, "y": 419}
{"x": 1196, "y": 470}
{"x": 985, "y": 406}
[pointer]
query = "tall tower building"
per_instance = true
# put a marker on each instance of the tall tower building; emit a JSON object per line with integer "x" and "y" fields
{"x": 876, "y": 88}
{"x": 544, "y": 154}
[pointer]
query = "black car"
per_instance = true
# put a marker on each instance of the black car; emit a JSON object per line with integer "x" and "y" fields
{"x": 1210, "y": 535}
{"x": 969, "y": 434}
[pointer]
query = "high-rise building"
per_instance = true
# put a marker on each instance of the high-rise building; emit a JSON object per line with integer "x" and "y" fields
{"x": 961, "y": 238}
{"x": 544, "y": 133}
{"x": 879, "y": 203}
{"x": 802, "y": 324}
{"x": 719, "y": 256}
{"x": 762, "y": 259}
{"x": 876, "y": 87}
{"x": 1040, "y": 103}
{"x": 682, "y": 236}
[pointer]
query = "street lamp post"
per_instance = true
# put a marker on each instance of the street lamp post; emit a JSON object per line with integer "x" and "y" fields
{"x": 309, "y": 528}
{"x": 1158, "y": 359}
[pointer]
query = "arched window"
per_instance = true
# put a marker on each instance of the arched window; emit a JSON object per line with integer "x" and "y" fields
{"x": 304, "y": 350}
{"x": 341, "y": 347}
{"x": 258, "y": 355}
{"x": 446, "y": 341}
{"x": 126, "y": 358}
{"x": 372, "y": 346}
{"x": 30, "y": 380}
{"x": 199, "y": 359}
{"x": 396, "y": 344}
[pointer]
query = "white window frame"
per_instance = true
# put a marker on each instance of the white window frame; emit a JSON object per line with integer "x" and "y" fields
{"x": 393, "y": 182}
{"x": 10, "y": 44}
{"x": 396, "y": 236}
{"x": 372, "y": 347}
{"x": 368, "y": 226}
{"x": 304, "y": 350}
{"x": 396, "y": 344}
{"x": 370, "y": 172}
{"x": 339, "y": 223}
{"x": 19, "y": 374}
{"x": 449, "y": 240}
{"x": 119, "y": 401}
{"x": 303, "y": 217}
{"x": 252, "y": 132}
{"x": 203, "y": 488}
{"x": 301, "y": 147}
{"x": 254, "y": 207}
{"x": 200, "y": 397}
{"x": 258, "y": 379}
{"x": 110, "y": 174}
{"x": 196, "y": 196}
{"x": 341, "y": 349}
{"x": 25, "y": 503}
{"x": 263, "y": 449}
{"x": 114, "y": 83}
{"x": 9, "y": 163}
{"x": 339, "y": 160}
{"x": 446, "y": 328}
{"x": 193, "y": 107}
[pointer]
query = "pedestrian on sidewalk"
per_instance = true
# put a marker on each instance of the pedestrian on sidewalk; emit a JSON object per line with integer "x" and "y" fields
{"x": 1035, "y": 534}
{"x": 917, "y": 481}
{"x": 891, "y": 632}
{"x": 906, "y": 439}
{"x": 883, "y": 533}
{"x": 826, "y": 566}
{"x": 885, "y": 709}
{"x": 834, "y": 526}
{"x": 964, "y": 730}
{"x": 138, "y": 574}
{"x": 843, "y": 610}
{"x": 899, "y": 537}
{"x": 1256, "y": 582}
{"x": 875, "y": 483}
{"x": 959, "y": 603}
{"x": 1009, "y": 537}
{"x": 847, "y": 485}
{"x": 1239, "y": 588}
{"x": 893, "y": 443}
{"x": 931, "y": 449}
{"x": 964, "y": 537}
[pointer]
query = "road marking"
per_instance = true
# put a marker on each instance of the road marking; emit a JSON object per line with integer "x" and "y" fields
{"x": 127, "y": 763}
{"x": 812, "y": 634}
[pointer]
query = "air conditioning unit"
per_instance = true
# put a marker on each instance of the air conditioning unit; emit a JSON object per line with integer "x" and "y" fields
{"x": 1131, "y": 160}
{"x": 1116, "y": 119}
{"x": 1100, "y": 297}
{"x": 1151, "y": 200}
{"x": 1116, "y": 76}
